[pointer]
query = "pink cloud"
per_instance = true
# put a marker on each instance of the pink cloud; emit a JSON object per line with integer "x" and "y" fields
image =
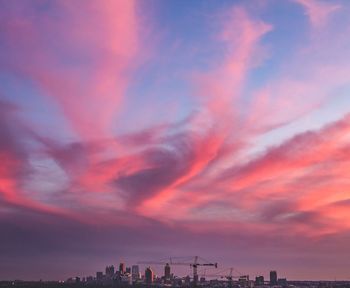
{"x": 309, "y": 170}
{"x": 218, "y": 90}
{"x": 318, "y": 11}
{"x": 150, "y": 171}
{"x": 199, "y": 175}
{"x": 82, "y": 63}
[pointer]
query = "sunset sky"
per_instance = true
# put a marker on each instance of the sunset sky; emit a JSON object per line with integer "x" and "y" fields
{"x": 133, "y": 130}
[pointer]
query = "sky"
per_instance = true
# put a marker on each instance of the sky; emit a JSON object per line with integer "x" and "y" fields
{"x": 140, "y": 130}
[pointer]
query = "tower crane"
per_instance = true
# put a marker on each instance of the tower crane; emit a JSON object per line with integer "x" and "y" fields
{"x": 194, "y": 263}
{"x": 223, "y": 274}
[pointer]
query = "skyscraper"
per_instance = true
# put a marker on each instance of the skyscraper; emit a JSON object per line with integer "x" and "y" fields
{"x": 99, "y": 276}
{"x": 273, "y": 278}
{"x": 167, "y": 271}
{"x": 121, "y": 268}
{"x": 149, "y": 275}
{"x": 110, "y": 271}
{"x": 135, "y": 272}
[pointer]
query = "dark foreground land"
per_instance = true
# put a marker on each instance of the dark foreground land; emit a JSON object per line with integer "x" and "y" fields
{"x": 39, "y": 284}
{"x": 54, "y": 284}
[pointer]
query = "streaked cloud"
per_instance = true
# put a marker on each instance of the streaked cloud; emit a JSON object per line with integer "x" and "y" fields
{"x": 259, "y": 155}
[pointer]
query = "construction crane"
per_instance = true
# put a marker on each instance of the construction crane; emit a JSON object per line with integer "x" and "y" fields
{"x": 223, "y": 274}
{"x": 194, "y": 263}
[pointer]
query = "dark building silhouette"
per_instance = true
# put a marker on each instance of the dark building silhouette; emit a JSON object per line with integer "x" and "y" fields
{"x": 243, "y": 280}
{"x": 128, "y": 270}
{"x": 259, "y": 280}
{"x": 110, "y": 271}
{"x": 121, "y": 268}
{"x": 273, "y": 278}
{"x": 99, "y": 275}
{"x": 149, "y": 275}
{"x": 167, "y": 271}
{"x": 135, "y": 272}
{"x": 282, "y": 282}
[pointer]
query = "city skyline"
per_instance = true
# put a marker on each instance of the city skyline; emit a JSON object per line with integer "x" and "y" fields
{"x": 134, "y": 130}
{"x": 133, "y": 274}
{"x": 139, "y": 271}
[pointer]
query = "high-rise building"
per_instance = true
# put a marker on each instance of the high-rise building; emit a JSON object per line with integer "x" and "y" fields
{"x": 273, "y": 278}
{"x": 135, "y": 272}
{"x": 128, "y": 270}
{"x": 167, "y": 271}
{"x": 149, "y": 275}
{"x": 110, "y": 271}
{"x": 99, "y": 276}
{"x": 259, "y": 280}
{"x": 121, "y": 268}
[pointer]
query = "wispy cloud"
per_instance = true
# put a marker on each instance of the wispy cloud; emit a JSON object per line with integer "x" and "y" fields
{"x": 318, "y": 11}
{"x": 260, "y": 157}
